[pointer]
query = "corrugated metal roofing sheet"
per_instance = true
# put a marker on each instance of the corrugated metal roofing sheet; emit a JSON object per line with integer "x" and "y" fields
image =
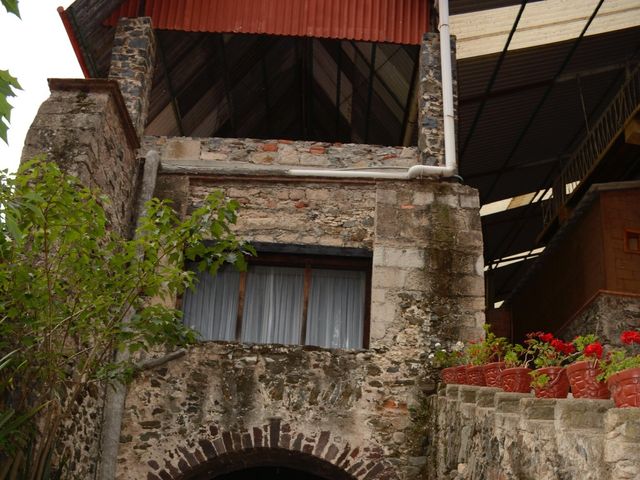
{"x": 394, "y": 21}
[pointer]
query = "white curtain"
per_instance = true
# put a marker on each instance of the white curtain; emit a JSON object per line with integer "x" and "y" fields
{"x": 273, "y": 305}
{"x": 212, "y": 307}
{"x": 336, "y": 309}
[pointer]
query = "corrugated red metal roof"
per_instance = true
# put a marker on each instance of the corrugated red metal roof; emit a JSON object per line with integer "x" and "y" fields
{"x": 395, "y": 21}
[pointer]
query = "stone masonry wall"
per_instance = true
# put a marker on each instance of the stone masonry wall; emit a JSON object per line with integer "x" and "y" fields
{"x": 608, "y": 315}
{"x": 427, "y": 287}
{"x": 485, "y": 434}
{"x": 81, "y": 127}
{"x": 85, "y": 129}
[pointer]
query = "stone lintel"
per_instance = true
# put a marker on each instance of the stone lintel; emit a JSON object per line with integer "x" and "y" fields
{"x": 100, "y": 85}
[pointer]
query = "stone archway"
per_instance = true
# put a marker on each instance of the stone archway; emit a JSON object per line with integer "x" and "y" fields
{"x": 313, "y": 453}
{"x": 246, "y": 464}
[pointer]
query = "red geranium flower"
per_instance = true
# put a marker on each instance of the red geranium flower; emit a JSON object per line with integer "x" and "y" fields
{"x": 630, "y": 337}
{"x": 593, "y": 350}
{"x": 563, "y": 347}
{"x": 546, "y": 337}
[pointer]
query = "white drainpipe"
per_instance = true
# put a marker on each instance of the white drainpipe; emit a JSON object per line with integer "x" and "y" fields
{"x": 450, "y": 167}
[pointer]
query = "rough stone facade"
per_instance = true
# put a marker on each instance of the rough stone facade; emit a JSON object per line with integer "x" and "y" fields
{"x": 427, "y": 287}
{"x": 83, "y": 126}
{"x": 607, "y": 315}
{"x": 431, "y": 123}
{"x": 132, "y": 61}
{"x": 349, "y": 413}
{"x": 485, "y": 434}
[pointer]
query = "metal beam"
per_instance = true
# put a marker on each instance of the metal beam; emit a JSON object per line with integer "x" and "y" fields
{"x": 492, "y": 80}
{"x": 542, "y": 101}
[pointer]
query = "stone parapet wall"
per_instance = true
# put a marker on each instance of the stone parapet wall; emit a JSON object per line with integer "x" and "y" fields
{"x": 486, "y": 434}
{"x": 243, "y": 153}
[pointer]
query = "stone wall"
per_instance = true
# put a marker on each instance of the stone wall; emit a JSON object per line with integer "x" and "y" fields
{"x": 352, "y": 409}
{"x": 486, "y": 434}
{"x": 84, "y": 127}
{"x": 607, "y": 315}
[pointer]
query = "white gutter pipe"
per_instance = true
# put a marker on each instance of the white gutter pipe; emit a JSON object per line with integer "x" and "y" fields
{"x": 450, "y": 167}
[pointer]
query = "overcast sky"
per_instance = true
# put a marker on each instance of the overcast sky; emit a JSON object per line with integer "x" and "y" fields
{"x": 33, "y": 49}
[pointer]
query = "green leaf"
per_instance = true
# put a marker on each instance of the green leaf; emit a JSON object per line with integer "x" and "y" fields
{"x": 11, "y": 6}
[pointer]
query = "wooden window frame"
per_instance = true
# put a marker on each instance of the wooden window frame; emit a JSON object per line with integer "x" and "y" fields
{"x": 309, "y": 258}
{"x": 310, "y": 262}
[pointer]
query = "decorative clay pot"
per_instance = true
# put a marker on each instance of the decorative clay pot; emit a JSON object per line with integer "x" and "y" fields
{"x": 448, "y": 375}
{"x": 582, "y": 378}
{"x": 516, "y": 379}
{"x": 492, "y": 373}
{"x": 625, "y": 387}
{"x": 461, "y": 374}
{"x": 475, "y": 375}
{"x": 558, "y": 385}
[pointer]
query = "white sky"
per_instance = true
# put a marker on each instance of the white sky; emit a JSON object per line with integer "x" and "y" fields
{"x": 33, "y": 49}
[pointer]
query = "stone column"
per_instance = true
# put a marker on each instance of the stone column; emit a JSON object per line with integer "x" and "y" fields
{"x": 132, "y": 61}
{"x": 430, "y": 113}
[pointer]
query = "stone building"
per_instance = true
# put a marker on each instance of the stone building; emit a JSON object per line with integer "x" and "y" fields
{"x": 315, "y": 362}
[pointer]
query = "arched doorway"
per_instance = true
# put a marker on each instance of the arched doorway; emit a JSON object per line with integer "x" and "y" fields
{"x": 267, "y": 464}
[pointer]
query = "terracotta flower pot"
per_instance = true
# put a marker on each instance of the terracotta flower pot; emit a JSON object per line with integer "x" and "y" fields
{"x": 461, "y": 374}
{"x": 516, "y": 379}
{"x": 582, "y": 378}
{"x": 475, "y": 375}
{"x": 448, "y": 375}
{"x": 558, "y": 385}
{"x": 625, "y": 387}
{"x": 492, "y": 373}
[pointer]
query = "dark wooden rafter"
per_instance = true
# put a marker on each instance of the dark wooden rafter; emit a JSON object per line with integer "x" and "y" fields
{"x": 338, "y": 89}
{"x": 267, "y": 103}
{"x": 167, "y": 81}
{"x": 411, "y": 109}
{"x": 227, "y": 85}
{"x": 372, "y": 75}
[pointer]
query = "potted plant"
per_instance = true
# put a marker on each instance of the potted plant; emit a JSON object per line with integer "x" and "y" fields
{"x": 583, "y": 373}
{"x": 495, "y": 349}
{"x": 515, "y": 375}
{"x": 449, "y": 361}
{"x": 476, "y": 357}
{"x": 549, "y": 379}
{"x": 621, "y": 370}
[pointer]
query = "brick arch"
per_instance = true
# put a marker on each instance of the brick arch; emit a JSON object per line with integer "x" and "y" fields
{"x": 274, "y": 444}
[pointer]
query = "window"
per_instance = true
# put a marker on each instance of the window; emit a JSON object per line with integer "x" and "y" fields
{"x": 299, "y": 298}
{"x": 632, "y": 240}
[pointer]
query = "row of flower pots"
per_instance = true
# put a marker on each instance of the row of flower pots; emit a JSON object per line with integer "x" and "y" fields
{"x": 580, "y": 366}
{"x": 580, "y": 378}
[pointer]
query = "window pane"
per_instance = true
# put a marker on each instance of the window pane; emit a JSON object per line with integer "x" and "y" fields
{"x": 336, "y": 309}
{"x": 212, "y": 307}
{"x": 273, "y": 305}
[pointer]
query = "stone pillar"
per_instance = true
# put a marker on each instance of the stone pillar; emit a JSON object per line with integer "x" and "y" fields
{"x": 430, "y": 113}
{"x": 132, "y": 61}
{"x": 84, "y": 127}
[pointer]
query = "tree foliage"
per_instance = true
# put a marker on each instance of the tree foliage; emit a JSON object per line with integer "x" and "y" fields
{"x": 72, "y": 292}
{"x": 8, "y": 84}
